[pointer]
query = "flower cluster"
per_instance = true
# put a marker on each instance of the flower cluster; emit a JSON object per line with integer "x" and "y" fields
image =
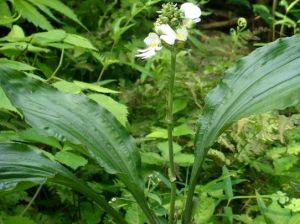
{"x": 171, "y": 26}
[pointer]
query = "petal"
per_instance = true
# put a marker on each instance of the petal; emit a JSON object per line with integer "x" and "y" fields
{"x": 165, "y": 29}
{"x": 152, "y": 39}
{"x": 190, "y": 10}
{"x": 181, "y": 34}
{"x": 197, "y": 20}
{"x": 148, "y": 54}
{"x": 168, "y": 39}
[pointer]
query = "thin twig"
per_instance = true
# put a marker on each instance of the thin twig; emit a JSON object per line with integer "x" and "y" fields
{"x": 59, "y": 64}
{"x": 32, "y": 199}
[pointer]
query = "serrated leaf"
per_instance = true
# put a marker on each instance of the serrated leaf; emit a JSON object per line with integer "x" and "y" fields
{"x": 79, "y": 41}
{"x": 117, "y": 109}
{"x": 5, "y": 103}
{"x": 15, "y": 65}
{"x": 52, "y": 36}
{"x": 32, "y": 136}
{"x": 70, "y": 159}
{"x": 94, "y": 87}
{"x": 79, "y": 120}
{"x": 16, "y": 34}
{"x": 60, "y": 7}
{"x": 265, "y": 80}
{"x": 64, "y": 116}
{"x": 30, "y": 13}
{"x": 67, "y": 87}
{"x": 18, "y": 47}
{"x": 205, "y": 209}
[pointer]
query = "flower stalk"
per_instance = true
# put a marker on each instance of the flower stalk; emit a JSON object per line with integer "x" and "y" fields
{"x": 169, "y": 121}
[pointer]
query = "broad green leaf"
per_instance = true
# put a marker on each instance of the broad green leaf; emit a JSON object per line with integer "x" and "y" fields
{"x": 117, "y": 109}
{"x": 15, "y": 65}
{"x": 179, "y": 105}
{"x": 45, "y": 10}
{"x": 178, "y": 131}
{"x": 134, "y": 215}
{"x": 29, "y": 12}
{"x": 164, "y": 148}
{"x": 79, "y": 120}
{"x": 158, "y": 133}
{"x": 94, "y": 87}
{"x": 152, "y": 158}
{"x": 16, "y": 34}
{"x": 44, "y": 38}
{"x": 79, "y": 41}
{"x": 205, "y": 209}
{"x": 20, "y": 47}
{"x": 74, "y": 118}
{"x": 70, "y": 159}
{"x": 5, "y": 103}
{"x": 267, "y": 79}
{"x": 89, "y": 213}
{"x": 20, "y": 163}
{"x": 33, "y": 136}
{"x": 181, "y": 130}
{"x": 67, "y": 87}
{"x": 184, "y": 159}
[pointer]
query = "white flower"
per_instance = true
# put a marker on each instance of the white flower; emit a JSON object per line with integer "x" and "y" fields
{"x": 181, "y": 34}
{"x": 168, "y": 35}
{"x": 153, "y": 45}
{"x": 191, "y": 12}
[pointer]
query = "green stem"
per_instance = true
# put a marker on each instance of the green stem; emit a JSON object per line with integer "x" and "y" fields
{"x": 169, "y": 121}
{"x": 188, "y": 210}
{"x": 274, "y": 6}
{"x": 59, "y": 64}
{"x": 32, "y": 200}
{"x": 101, "y": 73}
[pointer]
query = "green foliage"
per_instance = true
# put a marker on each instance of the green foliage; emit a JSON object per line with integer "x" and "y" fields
{"x": 79, "y": 90}
{"x": 35, "y": 10}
